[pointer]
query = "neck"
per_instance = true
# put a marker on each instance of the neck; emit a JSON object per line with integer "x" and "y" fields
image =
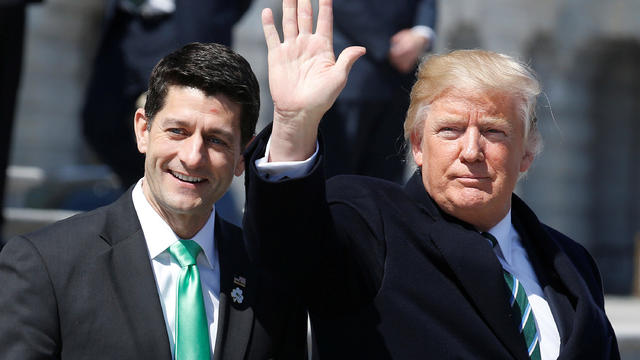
{"x": 186, "y": 225}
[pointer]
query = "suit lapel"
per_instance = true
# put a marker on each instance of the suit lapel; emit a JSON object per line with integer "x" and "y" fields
{"x": 133, "y": 280}
{"x": 587, "y": 331}
{"x": 544, "y": 255}
{"x": 237, "y": 291}
{"x": 472, "y": 261}
{"x": 480, "y": 277}
{"x": 583, "y": 325}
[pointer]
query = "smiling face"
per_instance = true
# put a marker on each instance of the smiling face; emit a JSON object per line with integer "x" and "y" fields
{"x": 471, "y": 152}
{"x": 192, "y": 150}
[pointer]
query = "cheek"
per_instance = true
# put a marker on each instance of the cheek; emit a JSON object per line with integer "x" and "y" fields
{"x": 440, "y": 155}
{"x": 506, "y": 163}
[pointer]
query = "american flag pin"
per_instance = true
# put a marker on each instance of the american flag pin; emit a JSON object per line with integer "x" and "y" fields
{"x": 240, "y": 281}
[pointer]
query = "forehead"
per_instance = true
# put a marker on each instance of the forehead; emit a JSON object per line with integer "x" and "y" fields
{"x": 190, "y": 104}
{"x": 462, "y": 104}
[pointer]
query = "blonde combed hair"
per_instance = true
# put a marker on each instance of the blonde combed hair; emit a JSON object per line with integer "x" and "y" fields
{"x": 475, "y": 70}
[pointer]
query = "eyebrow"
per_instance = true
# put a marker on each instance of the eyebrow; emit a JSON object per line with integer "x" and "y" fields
{"x": 495, "y": 120}
{"x": 449, "y": 119}
{"x": 173, "y": 122}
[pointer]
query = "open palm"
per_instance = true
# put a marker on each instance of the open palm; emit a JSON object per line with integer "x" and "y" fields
{"x": 304, "y": 76}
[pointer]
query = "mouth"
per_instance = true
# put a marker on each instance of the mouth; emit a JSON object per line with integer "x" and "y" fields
{"x": 186, "y": 178}
{"x": 472, "y": 177}
{"x": 470, "y": 180}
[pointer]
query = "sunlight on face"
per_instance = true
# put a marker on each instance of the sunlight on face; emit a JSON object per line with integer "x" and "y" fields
{"x": 192, "y": 151}
{"x": 472, "y": 151}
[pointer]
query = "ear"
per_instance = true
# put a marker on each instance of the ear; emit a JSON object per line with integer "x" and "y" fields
{"x": 240, "y": 164}
{"x": 416, "y": 147}
{"x": 141, "y": 129}
{"x": 526, "y": 161}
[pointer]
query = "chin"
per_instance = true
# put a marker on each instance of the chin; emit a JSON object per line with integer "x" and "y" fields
{"x": 469, "y": 201}
{"x": 182, "y": 206}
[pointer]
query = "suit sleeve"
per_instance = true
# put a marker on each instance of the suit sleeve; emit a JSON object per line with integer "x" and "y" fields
{"x": 29, "y": 326}
{"x": 293, "y": 230}
{"x": 355, "y": 23}
{"x": 426, "y": 14}
{"x": 373, "y": 24}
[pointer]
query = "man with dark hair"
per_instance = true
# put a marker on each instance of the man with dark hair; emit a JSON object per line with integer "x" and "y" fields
{"x": 136, "y": 34}
{"x": 157, "y": 274}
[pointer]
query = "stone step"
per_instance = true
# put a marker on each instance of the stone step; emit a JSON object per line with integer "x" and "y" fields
{"x": 24, "y": 220}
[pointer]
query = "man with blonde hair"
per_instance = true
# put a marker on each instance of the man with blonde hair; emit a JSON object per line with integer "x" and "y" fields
{"x": 453, "y": 264}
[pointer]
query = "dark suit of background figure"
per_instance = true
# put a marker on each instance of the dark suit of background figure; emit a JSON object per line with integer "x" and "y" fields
{"x": 12, "y": 25}
{"x": 131, "y": 45}
{"x": 387, "y": 275}
{"x": 364, "y": 127}
{"x": 84, "y": 289}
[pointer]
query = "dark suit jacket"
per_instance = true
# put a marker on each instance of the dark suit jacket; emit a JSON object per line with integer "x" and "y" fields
{"x": 372, "y": 23}
{"x": 84, "y": 289}
{"x": 387, "y": 274}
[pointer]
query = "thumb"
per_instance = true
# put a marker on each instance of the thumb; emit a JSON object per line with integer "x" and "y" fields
{"x": 348, "y": 57}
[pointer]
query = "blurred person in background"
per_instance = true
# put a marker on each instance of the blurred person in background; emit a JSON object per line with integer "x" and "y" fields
{"x": 364, "y": 126}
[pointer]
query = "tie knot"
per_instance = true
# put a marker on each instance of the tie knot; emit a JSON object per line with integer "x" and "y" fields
{"x": 491, "y": 238}
{"x": 185, "y": 252}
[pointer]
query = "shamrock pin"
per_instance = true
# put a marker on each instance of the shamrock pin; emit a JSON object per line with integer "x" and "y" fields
{"x": 236, "y": 295}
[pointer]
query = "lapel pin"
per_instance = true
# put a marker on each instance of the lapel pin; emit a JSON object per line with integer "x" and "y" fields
{"x": 240, "y": 281}
{"x": 236, "y": 295}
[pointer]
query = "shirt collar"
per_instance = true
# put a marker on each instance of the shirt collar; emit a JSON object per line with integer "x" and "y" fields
{"x": 504, "y": 232}
{"x": 159, "y": 235}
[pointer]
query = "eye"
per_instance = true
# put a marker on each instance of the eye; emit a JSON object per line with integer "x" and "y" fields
{"x": 449, "y": 132}
{"x": 216, "y": 141}
{"x": 494, "y": 133}
{"x": 176, "y": 131}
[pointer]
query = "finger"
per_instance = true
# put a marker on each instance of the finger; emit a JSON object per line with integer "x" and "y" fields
{"x": 305, "y": 17}
{"x": 269, "y": 28}
{"x": 325, "y": 19}
{"x": 289, "y": 20}
{"x": 348, "y": 57}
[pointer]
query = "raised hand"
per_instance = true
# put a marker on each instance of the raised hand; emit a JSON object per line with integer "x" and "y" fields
{"x": 304, "y": 76}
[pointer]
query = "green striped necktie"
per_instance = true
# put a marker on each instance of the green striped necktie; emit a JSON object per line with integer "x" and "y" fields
{"x": 521, "y": 308}
{"x": 192, "y": 332}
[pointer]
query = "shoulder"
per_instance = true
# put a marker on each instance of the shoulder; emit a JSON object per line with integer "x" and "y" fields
{"x": 370, "y": 196}
{"x": 84, "y": 232}
{"x": 356, "y": 188}
{"x": 578, "y": 254}
{"x": 229, "y": 237}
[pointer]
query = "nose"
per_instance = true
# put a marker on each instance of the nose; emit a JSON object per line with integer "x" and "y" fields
{"x": 192, "y": 151}
{"x": 472, "y": 146}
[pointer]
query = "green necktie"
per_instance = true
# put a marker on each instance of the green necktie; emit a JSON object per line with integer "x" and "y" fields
{"x": 192, "y": 332}
{"x": 521, "y": 308}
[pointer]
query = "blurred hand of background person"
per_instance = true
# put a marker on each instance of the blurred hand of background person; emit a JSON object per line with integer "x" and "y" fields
{"x": 406, "y": 47}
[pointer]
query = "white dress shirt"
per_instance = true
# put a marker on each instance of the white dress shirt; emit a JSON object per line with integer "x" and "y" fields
{"x": 159, "y": 238}
{"x": 514, "y": 259}
{"x": 274, "y": 171}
